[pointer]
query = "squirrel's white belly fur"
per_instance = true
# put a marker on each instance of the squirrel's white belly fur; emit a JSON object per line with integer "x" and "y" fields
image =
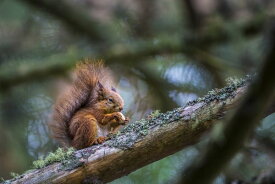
{"x": 102, "y": 131}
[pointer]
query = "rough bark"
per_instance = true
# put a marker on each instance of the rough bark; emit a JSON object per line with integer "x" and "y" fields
{"x": 141, "y": 142}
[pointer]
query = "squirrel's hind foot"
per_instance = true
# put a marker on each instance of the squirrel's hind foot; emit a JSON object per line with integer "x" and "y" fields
{"x": 101, "y": 139}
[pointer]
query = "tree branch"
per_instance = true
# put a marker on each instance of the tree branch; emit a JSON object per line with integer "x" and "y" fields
{"x": 157, "y": 136}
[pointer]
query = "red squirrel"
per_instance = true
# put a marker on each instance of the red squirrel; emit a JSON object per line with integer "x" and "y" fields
{"x": 90, "y": 109}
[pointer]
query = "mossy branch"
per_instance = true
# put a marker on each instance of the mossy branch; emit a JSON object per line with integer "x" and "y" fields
{"x": 157, "y": 136}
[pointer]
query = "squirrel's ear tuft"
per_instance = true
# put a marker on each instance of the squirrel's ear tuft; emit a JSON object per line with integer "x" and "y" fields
{"x": 100, "y": 86}
{"x": 113, "y": 89}
{"x": 100, "y": 91}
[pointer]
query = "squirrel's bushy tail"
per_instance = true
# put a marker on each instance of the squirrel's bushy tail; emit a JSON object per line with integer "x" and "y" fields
{"x": 86, "y": 77}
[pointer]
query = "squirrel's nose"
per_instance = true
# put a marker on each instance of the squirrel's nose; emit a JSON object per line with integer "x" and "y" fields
{"x": 120, "y": 109}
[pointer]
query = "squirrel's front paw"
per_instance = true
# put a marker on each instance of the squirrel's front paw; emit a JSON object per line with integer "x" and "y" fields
{"x": 126, "y": 121}
{"x": 121, "y": 118}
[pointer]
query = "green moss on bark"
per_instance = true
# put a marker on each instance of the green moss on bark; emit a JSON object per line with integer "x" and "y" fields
{"x": 60, "y": 155}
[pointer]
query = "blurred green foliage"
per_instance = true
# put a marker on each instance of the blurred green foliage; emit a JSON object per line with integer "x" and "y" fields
{"x": 34, "y": 41}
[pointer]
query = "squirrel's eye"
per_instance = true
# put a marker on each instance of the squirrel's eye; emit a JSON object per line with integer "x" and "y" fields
{"x": 110, "y": 100}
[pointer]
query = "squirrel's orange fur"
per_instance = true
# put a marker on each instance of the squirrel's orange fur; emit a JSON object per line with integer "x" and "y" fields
{"x": 89, "y": 110}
